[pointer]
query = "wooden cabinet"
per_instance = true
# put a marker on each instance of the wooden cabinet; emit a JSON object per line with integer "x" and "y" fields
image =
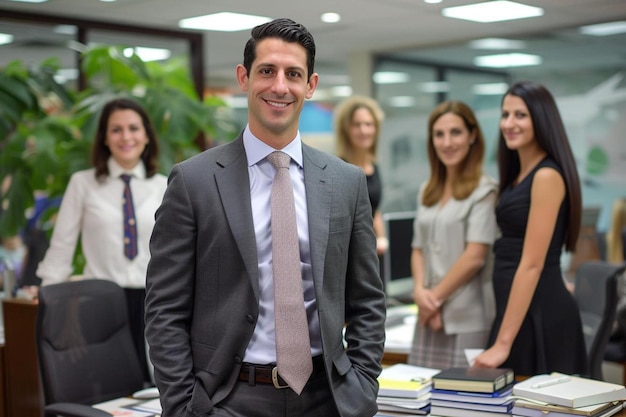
{"x": 3, "y": 394}
{"x": 22, "y": 385}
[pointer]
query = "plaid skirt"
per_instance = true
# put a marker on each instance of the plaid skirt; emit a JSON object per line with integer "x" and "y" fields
{"x": 440, "y": 351}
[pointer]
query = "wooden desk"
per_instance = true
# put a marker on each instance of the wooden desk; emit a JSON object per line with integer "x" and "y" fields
{"x": 23, "y": 390}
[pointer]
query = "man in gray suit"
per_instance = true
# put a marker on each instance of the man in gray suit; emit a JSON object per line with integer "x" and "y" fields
{"x": 210, "y": 300}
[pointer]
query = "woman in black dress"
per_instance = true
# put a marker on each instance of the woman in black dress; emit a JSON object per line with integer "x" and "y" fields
{"x": 537, "y": 328}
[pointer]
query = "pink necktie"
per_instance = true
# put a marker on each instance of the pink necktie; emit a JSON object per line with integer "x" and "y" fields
{"x": 293, "y": 346}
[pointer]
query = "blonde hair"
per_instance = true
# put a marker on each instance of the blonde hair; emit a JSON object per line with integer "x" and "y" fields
{"x": 614, "y": 242}
{"x": 344, "y": 113}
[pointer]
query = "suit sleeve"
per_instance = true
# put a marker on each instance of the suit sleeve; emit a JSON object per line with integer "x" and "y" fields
{"x": 169, "y": 296}
{"x": 365, "y": 300}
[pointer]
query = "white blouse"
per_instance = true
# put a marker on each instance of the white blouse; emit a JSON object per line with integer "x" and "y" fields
{"x": 92, "y": 210}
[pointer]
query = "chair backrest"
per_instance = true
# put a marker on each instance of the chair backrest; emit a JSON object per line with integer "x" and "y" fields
{"x": 84, "y": 345}
{"x": 596, "y": 294}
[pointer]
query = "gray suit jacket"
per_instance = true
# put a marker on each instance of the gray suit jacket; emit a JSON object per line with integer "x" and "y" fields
{"x": 202, "y": 281}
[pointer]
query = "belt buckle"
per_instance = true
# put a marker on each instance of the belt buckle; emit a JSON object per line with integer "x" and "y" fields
{"x": 275, "y": 380}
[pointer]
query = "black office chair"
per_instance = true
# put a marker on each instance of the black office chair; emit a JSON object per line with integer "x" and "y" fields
{"x": 596, "y": 294}
{"x": 84, "y": 347}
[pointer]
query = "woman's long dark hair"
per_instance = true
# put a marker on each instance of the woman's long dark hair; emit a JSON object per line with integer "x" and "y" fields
{"x": 550, "y": 134}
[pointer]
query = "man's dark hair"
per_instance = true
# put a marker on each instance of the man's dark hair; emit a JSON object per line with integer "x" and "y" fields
{"x": 285, "y": 29}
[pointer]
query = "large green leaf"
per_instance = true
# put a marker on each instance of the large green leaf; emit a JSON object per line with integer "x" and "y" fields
{"x": 108, "y": 68}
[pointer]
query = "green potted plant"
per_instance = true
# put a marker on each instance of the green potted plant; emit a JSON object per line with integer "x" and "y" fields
{"x": 46, "y": 130}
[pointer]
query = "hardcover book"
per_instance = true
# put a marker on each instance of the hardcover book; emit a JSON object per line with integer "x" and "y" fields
{"x": 473, "y": 379}
{"x": 499, "y": 397}
{"x": 439, "y": 411}
{"x": 569, "y": 391}
{"x": 503, "y": 408}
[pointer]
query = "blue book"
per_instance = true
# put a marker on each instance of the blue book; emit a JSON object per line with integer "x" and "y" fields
{"x": 498, "y": 397}
{"x": 504, "y": 407}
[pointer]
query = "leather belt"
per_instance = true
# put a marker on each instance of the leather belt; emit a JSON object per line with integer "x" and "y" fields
{"x": 268, "y": 374}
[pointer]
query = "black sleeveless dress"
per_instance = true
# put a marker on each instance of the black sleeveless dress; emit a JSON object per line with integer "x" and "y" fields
{"x": 551, "y": 338}
{"x": 375, "y": 189}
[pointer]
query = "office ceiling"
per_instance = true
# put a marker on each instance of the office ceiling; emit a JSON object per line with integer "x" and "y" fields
{"x": 380, "y": 26}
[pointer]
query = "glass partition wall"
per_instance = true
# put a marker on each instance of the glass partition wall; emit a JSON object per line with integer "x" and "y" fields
{"x": 36, "y": 37}
{"x": 408, "y": 91}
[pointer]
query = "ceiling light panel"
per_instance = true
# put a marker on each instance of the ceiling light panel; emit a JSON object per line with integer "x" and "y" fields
{"x": 604, "y": 29}
{"x": 223, "y": 22}
{"x": 5, "y": 38}
{"x": 390, "y": 77}
{"x": 492, "y": 11}
{"x": 507, "y": 60}
{"x": 496, "y": 44}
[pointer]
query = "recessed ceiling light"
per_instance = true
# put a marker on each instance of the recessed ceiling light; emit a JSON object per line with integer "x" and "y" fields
{"x": 5, "y": 38}
{"x": 223, "y": 21}
{"x": 492, "y": 11}
{"x": 30, "y": 1}
{"x": 496, "y": 43}
{"x": 490, "y": 89}
{"x": 148, "y": 54}
{"x": 433, "y": 1}
{"x": 604, "y": 29}
{"x": 507, "y": 60}
{"x": 330, "y": 17}
{"x": 390, "y": 77}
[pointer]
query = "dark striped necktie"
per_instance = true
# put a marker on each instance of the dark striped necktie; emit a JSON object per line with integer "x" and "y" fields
{"x": 130, "y": 225}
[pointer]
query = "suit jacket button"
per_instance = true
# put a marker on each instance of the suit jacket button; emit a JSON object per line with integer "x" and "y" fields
{"x": 250, "y": 318}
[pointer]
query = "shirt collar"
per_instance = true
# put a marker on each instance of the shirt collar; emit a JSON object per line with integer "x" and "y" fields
{"x": 115, "y": 170}
{"x": 257, "y": 150}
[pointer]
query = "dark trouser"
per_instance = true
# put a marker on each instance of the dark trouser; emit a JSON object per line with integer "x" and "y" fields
{"x": 265, "y": 400}
{"x": 135, "y": 299}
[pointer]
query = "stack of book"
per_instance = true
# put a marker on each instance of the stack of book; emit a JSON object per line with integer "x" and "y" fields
{"x": 404, "y": 390}
{"x": 472, "y": 392}
{"x": 560, "y": 395}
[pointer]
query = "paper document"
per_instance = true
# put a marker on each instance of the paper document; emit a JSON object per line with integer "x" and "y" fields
{"x": 471, "y": 354}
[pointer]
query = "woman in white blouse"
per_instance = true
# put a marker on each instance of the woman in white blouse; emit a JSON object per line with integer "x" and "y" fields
{"x": 454, "y": 229}
{"x": 92, "y": 210}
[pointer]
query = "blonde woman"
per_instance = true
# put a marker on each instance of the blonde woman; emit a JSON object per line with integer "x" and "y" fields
{"x": 358, "y": 123}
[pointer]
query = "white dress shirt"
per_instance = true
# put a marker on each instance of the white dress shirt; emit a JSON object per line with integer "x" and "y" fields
{"x": 262, "y": 346}
{"x": 92, "y": 210}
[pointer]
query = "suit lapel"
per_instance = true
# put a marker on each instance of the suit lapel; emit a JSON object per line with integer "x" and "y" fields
{"x": 318, "y": 186}
{"x": 233, "y": 183}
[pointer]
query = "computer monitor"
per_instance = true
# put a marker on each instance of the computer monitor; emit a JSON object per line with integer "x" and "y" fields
{"x": 397, "y": 259}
